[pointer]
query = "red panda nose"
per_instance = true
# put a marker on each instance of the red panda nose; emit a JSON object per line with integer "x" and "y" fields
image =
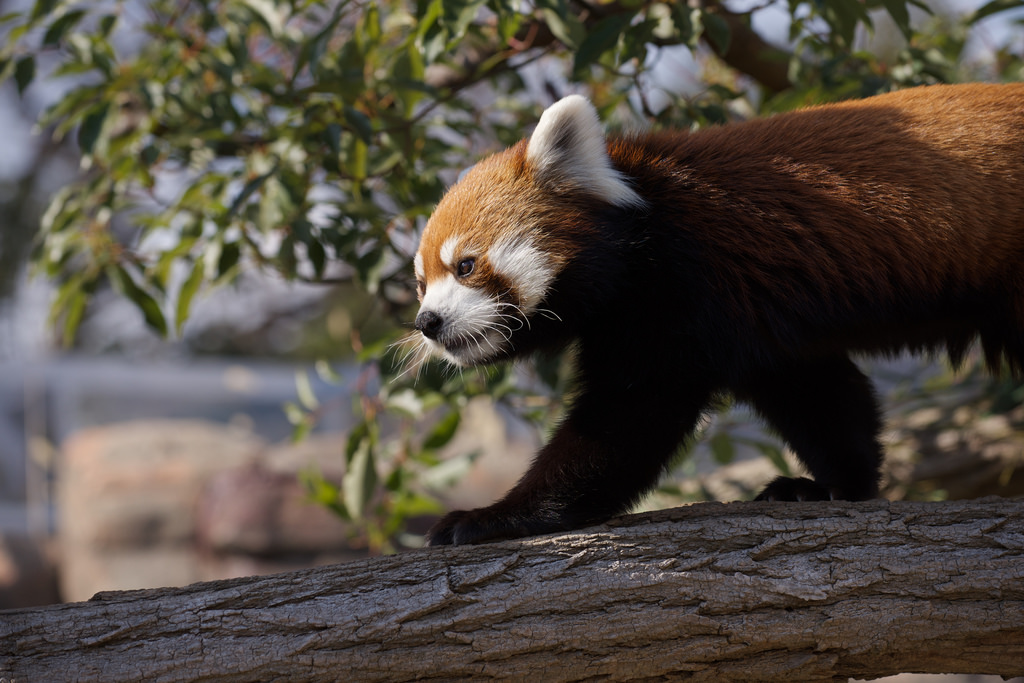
{"x": 429, "y": 323}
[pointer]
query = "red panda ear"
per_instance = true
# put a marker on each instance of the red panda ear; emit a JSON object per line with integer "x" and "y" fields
{"x": 568, "y": 148}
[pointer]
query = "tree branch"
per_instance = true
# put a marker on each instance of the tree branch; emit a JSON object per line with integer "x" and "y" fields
{"x": 723, "y": 592}
{"x": 748, "y": 52}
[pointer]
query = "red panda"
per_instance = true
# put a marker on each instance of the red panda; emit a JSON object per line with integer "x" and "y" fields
{"x": 750, "y": 259}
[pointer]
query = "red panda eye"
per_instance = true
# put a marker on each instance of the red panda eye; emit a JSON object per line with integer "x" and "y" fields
{"x": 465, "y": 267}
{"x": 421, "y": 288}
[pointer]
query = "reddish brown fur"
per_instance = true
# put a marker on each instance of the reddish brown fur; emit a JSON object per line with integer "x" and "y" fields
{"x": 868, "y": 199}
{"x": 499, "y": 199}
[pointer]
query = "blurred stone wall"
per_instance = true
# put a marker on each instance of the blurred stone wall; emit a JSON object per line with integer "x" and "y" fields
{"x": 170, "y": 502}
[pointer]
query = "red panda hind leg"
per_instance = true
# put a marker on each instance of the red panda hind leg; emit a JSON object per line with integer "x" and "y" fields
{"x": 827, "y": 411}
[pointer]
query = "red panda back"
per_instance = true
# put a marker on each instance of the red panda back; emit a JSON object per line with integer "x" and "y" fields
{"x": 859, "y": 207}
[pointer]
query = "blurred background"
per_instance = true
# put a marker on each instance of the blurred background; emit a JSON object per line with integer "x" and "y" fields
{"x": 208, "y": 214}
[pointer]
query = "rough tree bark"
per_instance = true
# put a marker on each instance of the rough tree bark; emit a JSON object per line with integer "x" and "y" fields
{"x": 722, "y": 592}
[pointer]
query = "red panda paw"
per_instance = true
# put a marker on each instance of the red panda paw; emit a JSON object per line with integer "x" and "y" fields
{"x": 797, "y": 489}
{"x": 466, "y": 527}
{"x": 447, "y": 530}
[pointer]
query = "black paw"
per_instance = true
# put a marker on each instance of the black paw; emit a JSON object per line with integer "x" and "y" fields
{"x": 448, "y": 529}
{"x": 464, "y": 527}
{"x": 797, "y": 489}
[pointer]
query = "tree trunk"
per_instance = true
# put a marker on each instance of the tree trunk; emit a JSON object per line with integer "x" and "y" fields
{"x": 717, "y": 592}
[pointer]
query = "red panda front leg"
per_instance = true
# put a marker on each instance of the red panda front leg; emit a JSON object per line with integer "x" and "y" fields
{"x": 609, "y": 451}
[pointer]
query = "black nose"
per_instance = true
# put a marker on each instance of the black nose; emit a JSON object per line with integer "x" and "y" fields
{"x": 429, "y": 323}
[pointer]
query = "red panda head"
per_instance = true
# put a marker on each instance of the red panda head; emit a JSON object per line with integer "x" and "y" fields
{"x": 497, "y": 242}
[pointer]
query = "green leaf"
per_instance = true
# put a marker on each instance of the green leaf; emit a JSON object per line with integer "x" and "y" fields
{"x": 324, "y": 492}
{"x": 317, "y": 256}
{"x": 302, "y": 429}
{"x": 408, "y": 72}
{"x": 773, "y": 453}
{"x": 844, "y": 16}
{"x": 91, "y": 129}
{"x": 637, "y": 37}
{"x": 360, "y": 124}
{"x": 688, "y": 23}
{"x": 276, "y": 204}
{"x": 106, "y": 25}
{"x": 428, "y": 14}
{"x": 566, "y": 27}
{"x": 249, "y": 189}
{"x": 294, "y": 413}
{"x": 149, "y": 155}
{"x": 72, "y": 317}
{"x": 55, "y": 33}
{"x": 602, "y": 37}
{"x": 42, "y": 8}
{"x": 371, "y": 23}
{"x": 405, "y": 402}
{"x": 458, "y": 14}
{"x": 332, "y": 135}
{"x": 287, "y": 261}
{"x": 325, "y": 372}
{"x": 386, "y": 164}
{"x": 187, "y": 293}
{"x": 313, "y": 50}
{"x": 412, "y": 504}
{"x": 443, "y": 431}
{"x": 900, "y": 15}
{"x": 360, "y": 480}
{"x": 24, "y": 72}
{"x": 717, "y": 31}
{"x": 268, "y": 13}
{"x": 125, "y": 284}
{"x": 993, "y": 7}
{"x": 304, "y": 390}
{"x": 369, "y": 268}
{"x": 435, "y": 43}
{"x": 71, "y": 300}
{"x": 230, "y": 254}
{"x": 508, "y": 24}
{"x": 723, "y": 450}
{"x": 357, "y": 160}
{"x": 359, "y": 433}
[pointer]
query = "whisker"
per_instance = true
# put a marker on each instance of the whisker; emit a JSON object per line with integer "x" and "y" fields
{"x": 549, "y": 314}
{"x": 482, "y": 328}
{"x": 504, "y": 330}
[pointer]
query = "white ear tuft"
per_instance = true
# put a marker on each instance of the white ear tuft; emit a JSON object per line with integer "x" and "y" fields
{"x": 568, "y": 146}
